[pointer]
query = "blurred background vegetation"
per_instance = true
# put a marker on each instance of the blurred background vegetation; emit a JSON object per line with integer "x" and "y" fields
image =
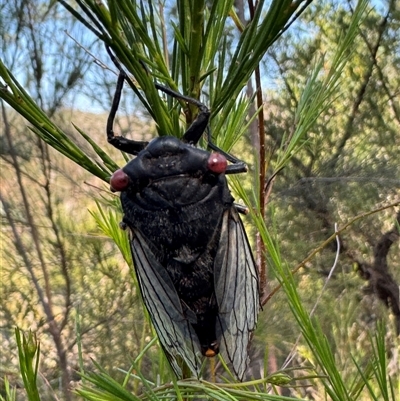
{"x": 64, "y": 278}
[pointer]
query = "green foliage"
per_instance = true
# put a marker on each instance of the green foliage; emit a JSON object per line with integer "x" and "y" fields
{"x": 29, "y": 353}
{"x": 104, "y": 387}
{"x": 19, "y": 99}
{"x": 10, "y": 392}
{"x": 137, "y": 34}
{"x": 378, "y": 369}
{"x": 109, "y": 224}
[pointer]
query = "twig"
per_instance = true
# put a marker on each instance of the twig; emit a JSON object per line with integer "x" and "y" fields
{"x": 326, "y": 242}
{"x": 291, "y": 354}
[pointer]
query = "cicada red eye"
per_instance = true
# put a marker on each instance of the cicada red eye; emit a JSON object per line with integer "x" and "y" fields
{"x": 217, "y": 163}
{"x": 119, "y": 181}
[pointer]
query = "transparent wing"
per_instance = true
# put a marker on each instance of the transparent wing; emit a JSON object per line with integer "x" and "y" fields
{"x": 174, "y": 330}
{"x": 237, "y": 291}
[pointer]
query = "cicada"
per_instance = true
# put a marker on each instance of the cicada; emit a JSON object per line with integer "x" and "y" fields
{"x": 191, "y": 255}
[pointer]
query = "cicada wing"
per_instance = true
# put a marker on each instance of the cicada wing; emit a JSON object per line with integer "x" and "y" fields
{"x": 173, "y": 328}
{"x": 237, "y": 291}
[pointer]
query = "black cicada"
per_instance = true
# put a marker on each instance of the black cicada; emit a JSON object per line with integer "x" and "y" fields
{"x": 192, "y": 258}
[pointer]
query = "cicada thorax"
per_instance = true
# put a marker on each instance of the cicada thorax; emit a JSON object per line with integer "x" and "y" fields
{"x": 177, "y": 204}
